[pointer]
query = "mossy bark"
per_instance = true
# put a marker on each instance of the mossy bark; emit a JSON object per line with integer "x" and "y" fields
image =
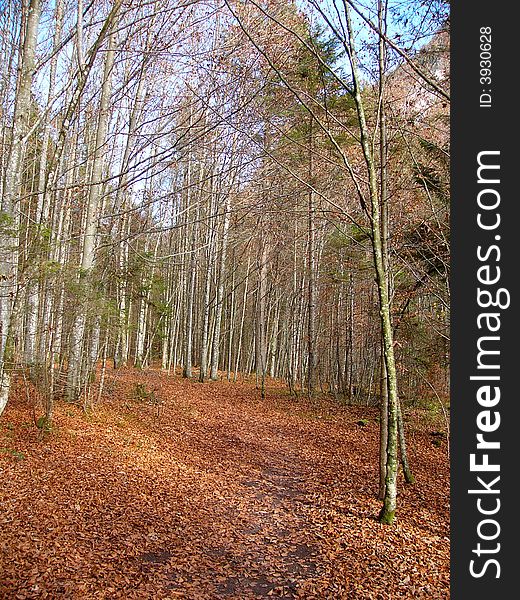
{"x": 386, "y": 517}
{"x": 9, "y": 208}
{"x": 387, "y": 514}
{"x": 383, "y": 430}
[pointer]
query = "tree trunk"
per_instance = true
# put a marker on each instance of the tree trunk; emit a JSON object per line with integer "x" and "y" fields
{"x": 261, "y": 298}
{"x": 9, "y": 225}
{"x": 311, "y": 282}
{"x": 242, "y": 320}
{"x": 220, "y": 291}
{"x": 387, "y": 514}
{"x": 42, "y": 208}
{"x": 74, "y": 383}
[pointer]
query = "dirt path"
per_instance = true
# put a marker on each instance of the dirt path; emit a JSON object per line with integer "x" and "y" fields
{"x": 213, "y": 494}
{"x": 277, "y": 555}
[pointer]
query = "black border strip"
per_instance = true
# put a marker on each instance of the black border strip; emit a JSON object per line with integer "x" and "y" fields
{"x": 477, "y": 127}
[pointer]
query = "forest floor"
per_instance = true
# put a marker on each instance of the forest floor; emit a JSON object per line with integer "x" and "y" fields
{"x": 214, "y": 493}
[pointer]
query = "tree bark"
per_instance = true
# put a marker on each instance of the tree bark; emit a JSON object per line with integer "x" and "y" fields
{"x": 387, "y": 514}
{"x": 74, "y": 383}
{"x": 9, "y": 224}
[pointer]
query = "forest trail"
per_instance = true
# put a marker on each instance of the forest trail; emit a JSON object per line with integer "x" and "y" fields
{"x": 211, "y": 492}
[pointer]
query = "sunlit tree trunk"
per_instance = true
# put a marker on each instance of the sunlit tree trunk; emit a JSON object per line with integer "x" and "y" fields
{"x": 388, "y": 510}
{"x": 311, "y": 276}
{"x": 242, "y": 320}
{"x": 206, "y": 304}
{"x": 9, "y": 233}
{"x": 74, "y": 383}
{"x": 220, "y": 290}
{"x": 42, "y": 205}
{"x": 261, "y": 325}
{"x": 190, "y": 251}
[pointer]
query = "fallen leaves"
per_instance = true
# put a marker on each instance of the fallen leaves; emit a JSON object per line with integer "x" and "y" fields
{"x": 224, "y": 495}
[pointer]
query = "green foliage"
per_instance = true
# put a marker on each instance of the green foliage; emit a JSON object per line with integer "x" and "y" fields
{"x": 338, "y": 239}
{"x": 346, "y": 238}
{"x": 142, "y": 394}
{"x": 7, "y": 225}
{"x": 315, "y": 68}
{"x": 403, "y": 279}
{"x": 44, "y": 425}
{"x": 6, "y": 220}
{"x": 40, "y": 236}
{"x": 51, "y": 267}
{"x": 359, "y": 233}
{"x": 14, "y": 453}
{"x": 387, "y": 517}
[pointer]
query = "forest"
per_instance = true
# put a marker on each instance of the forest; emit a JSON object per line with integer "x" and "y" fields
{"x": 224, "y": 298}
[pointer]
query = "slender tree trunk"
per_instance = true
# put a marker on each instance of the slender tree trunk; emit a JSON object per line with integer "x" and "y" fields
{"x": 311, "y": 282}
{"x": 33, "y": 292}
{"x": 383, "y": 428}
{"x": 121, "y": 352}
{"x": 9, "y": 226}
{"x": 242, "y": 320}
{"x": 74, "y": 383}
{"x": 407, "y": 472}
{"x": 190, "y": 302}
{"x": 261, "y": 326}
{"x": 383, "y": 149}
{"x": 220, "y": 291}
{"x": 231, "y": 334}
{"x": 141, "y": 329}
{"x": 207, "y": 291}
{"x": 388, "y": 510}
